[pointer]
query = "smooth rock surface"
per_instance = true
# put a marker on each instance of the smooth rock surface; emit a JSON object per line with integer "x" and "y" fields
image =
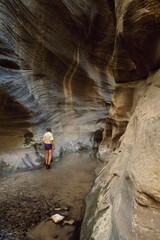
{"x": 125, "y": 199}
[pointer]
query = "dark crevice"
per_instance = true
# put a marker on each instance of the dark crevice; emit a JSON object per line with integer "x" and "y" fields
{"x": 111, "y": 5}
{"x": 9, "y": 64}
{"x": 12, "y": 113}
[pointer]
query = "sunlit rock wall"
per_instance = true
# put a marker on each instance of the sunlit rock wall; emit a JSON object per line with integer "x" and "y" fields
{"x": 53, "y": 73}
{"x": 125, "y": 200}
{"x": 136, "y": 54}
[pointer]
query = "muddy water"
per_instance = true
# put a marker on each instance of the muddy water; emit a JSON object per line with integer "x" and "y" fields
{"x": 27, "y": 200}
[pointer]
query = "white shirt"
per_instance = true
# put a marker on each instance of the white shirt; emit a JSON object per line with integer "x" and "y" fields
{"x": 48, "y": 138}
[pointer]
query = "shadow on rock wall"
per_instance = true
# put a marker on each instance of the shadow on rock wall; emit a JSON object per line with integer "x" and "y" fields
{"x": 53, "y": 73}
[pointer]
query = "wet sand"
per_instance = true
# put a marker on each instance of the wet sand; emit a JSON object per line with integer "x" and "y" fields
{"x": 28, "y": 199}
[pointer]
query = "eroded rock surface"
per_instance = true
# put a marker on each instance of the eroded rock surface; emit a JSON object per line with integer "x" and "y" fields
{"x": 58, "y": 59}
{"x": 125, "y": 200}
{"x": 126, "y": 197}
{"x": 53, "y": 72}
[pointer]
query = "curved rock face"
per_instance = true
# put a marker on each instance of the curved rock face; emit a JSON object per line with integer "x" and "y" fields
{"x": 125, "y": 200}
{"x": 136, "y": 53}
{"x": 58, "y": 59}
{"x": 138, "y": 24}
{"x": 53, "y": 71}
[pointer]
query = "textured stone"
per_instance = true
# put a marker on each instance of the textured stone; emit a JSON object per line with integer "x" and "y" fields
{"x": 125, "y": 199}
{"x": 58, "y": 61}
{"x": 138, "y": 24}
{"x": 123, "y": 104}
{"x": 52, "y": 65}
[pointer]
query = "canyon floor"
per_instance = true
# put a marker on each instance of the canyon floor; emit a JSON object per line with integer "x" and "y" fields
{"x": 28, "y": 199}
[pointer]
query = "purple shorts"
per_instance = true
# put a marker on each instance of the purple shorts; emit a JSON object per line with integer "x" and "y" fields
{"x": 48, "y": 146}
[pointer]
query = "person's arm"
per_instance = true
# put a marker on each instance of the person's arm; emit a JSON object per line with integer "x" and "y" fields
{"x": 52, "y": 142}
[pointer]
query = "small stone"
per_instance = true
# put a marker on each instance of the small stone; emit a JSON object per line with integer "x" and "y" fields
{"x": 66, "y": 209}
{"x": 58, "y": 209}
{"x": 57, "y": 218}
{"x": 69, "y": 222}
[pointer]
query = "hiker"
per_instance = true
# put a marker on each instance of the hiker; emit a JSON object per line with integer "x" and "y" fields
{"x": 49, "y": 146}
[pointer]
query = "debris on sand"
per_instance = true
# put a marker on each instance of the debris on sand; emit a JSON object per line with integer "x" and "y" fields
{"x": 69, "y": 222}
{"x": 57, "y": 218}
{"x": 58, "y": 209}
{"x": 61, "y": 208}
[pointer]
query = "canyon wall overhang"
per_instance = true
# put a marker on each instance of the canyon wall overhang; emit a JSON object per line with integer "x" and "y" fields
{"x": 53, "y": 67}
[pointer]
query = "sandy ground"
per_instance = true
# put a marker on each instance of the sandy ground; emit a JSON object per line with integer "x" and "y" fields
{"x": 28, "y": 199}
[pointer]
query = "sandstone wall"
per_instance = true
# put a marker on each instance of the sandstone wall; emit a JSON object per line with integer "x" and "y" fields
{"x": 53, "y": 73}
{"x": 125, "y": 200}
{"x": 58, "y": 62}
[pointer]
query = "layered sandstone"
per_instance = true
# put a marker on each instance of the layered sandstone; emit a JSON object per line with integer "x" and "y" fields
{"x": 53, "y": 73}
{"x": 125, "y": 199}
{"x": 58, "y": 63}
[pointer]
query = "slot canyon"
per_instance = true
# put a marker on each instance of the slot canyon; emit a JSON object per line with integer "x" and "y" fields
{"x": 90, "y": 71}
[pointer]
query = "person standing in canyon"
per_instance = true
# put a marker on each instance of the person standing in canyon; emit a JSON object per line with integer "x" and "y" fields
{"x": 48, "y": 141}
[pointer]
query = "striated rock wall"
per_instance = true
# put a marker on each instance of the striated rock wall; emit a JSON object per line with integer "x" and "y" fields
{"x": 136, "y": 53}
{"x": 124, "y": 202}
{"x": 136, "y": 49}
{"x": 123, "y": 104}
{"x": 58, "y": 63}
{"x": 53, "y": 72}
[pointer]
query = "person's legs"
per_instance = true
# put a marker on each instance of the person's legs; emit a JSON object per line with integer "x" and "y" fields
{"x": 49, "y": 157}
{"x": 46, "y": 157}
{"x": 52, "y": 155}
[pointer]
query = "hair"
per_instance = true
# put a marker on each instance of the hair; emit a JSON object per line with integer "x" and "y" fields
{"x": 49, "y": 129}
